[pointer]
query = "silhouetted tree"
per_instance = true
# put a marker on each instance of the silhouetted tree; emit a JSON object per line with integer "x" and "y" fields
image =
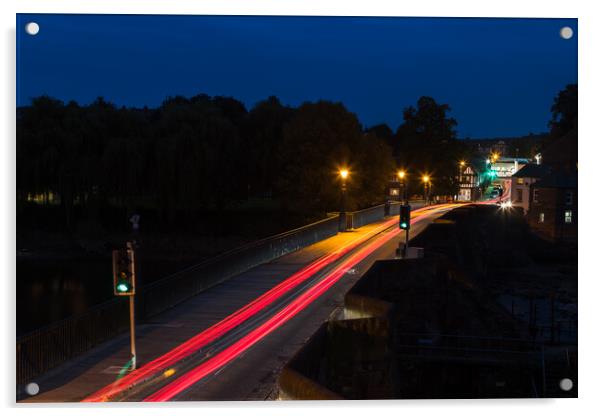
{"x": 262, "y": 145}
{"x": 321, "y": 138}
{"x": 426, "y": 143}
{"x": 564, "y": 112}
{"x": 383, "y": 132}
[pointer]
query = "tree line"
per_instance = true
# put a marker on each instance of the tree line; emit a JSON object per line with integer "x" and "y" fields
{"x": 213, "y": 154}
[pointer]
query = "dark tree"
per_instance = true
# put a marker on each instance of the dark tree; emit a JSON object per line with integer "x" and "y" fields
{"x": 321, "y": 138}
{"x": 383, "y": 132}
{"x": 564, "y": 112}
{"x": 264, "y": 137}
{"x": 426, "y": 143}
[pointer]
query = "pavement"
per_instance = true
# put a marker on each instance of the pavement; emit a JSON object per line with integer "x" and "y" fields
{"x": 251, "y": 375}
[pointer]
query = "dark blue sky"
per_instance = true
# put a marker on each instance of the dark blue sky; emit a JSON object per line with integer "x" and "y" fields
{"x": 498, "y": 75}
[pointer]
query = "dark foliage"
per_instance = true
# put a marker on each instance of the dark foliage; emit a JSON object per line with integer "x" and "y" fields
{"x": 564, "y": 112}
{"x": 196, "y": 154}
{"x": 426, "y": 143}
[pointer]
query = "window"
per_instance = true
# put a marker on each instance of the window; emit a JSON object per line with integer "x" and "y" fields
{"x": 519, "y": 195}
{"x": 542, "y": 217}
{"x": 520, "y": 181}
{"x": 536, "y": 196}
{"x": 568, "y": 198}
{"x": 394, "y": 191}
{"x": 568, "y": 216}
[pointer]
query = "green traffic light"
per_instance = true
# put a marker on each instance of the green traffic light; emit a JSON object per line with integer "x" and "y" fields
{"x": 403, "y": 225}
{"x": 122, "y": 287}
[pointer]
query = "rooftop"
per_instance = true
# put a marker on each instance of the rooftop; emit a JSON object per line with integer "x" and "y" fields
{"x": 556, "y": 180}
{"x": 532, "y": 170}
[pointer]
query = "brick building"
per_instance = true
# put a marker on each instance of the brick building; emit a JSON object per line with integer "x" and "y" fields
{"x": 553, "y": 207}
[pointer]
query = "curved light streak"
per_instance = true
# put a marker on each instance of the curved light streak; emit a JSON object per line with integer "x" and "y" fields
{"x": 210, "y": 334}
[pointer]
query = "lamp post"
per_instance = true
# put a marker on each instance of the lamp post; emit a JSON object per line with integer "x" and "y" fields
{"x": 460, "y": 181}
{"x": 343, "y": 173}
{"x": 426, "y": 180}
{"x": 404, "y": 196}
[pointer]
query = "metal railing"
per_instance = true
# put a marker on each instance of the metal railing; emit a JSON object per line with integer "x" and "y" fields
{"x": 174, "y": 289}
{"x": 378, "y": 212}
{"x": 44, "y": 349}
{"x": 367, "y": 216}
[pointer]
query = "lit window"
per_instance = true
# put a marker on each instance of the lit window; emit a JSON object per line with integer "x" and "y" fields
{"x": 519, "y": 195}
{"x": 568, "y": 198}
{"x": 568, "y": 217}
{"x": 520, "y": 181}
{"x": 542, "y": 217}
{"x": 393, "y": 191}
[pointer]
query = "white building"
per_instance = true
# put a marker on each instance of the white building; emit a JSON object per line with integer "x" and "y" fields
{"x": 505, "y": 167}
{"x": 522, "y": 181}
{"x": 468, "y": 181}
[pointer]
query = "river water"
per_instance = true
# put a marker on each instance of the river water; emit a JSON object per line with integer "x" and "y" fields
{"x": 49, "y": 290}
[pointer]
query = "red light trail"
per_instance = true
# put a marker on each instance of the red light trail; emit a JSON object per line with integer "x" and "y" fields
{"x": 277, "y": 320}
{"x": 194, "y": 344}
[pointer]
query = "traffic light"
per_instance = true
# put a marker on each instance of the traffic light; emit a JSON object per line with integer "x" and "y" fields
{"x": 124, "y": 274}
{"x": 404, "y": 217}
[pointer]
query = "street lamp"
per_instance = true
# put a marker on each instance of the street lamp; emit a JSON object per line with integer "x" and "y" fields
{"x": 343, "y": 173}
{"x": 401, "y": 175}
{"x": 460, "y": 178}
{"x": 426, "y": 180}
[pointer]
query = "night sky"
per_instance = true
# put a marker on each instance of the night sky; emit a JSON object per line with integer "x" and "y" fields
{"x": 499, "y": 75}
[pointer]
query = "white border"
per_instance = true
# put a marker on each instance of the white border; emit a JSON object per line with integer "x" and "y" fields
{"x": 509, "y": 8}
{"x": 590, "y": 274}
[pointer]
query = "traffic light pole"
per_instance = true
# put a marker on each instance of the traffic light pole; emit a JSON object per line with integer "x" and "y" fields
{"x": 405, "y": 248}
{"x": 132, "y": 309}
{"x": 405, "y": 220}
{"x": 132, "y": 332}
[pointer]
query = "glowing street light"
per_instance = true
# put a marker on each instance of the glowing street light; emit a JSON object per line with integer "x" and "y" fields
{"x": 462, "y": 163}
{"x": 343, "y": 173}
{"x": 426, "y": 179}
{"x": 401, "y": 175}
